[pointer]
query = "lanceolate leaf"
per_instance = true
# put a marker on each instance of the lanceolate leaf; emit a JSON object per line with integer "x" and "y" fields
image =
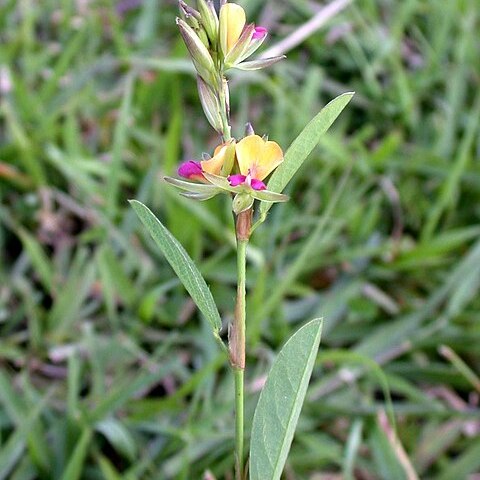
{"x": 303, "y": 145}
{"x": 280, "y": 403}
{"x": 183, "y": 265}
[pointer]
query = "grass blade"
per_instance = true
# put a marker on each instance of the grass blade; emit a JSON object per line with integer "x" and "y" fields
{"x": 74, "y": 469}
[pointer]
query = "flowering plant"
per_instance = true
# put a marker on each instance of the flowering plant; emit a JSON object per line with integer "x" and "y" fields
{"x": 218, "y": 41}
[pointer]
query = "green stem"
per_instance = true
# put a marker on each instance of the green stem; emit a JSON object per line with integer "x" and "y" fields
{"x": 239, "y": 373}
{"x": 238, "y": 355}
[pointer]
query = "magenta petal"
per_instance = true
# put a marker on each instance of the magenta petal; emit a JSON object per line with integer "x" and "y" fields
{"x": 258, "y": 184}
{"x": 236, "y": 180}
{"x": 259, "y": 33}
{"x": 190, "y": 169}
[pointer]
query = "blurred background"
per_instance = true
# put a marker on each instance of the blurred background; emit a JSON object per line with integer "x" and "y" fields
{"x": 106, "y": 369}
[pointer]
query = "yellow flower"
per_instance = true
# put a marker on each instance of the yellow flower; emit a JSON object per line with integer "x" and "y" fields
{"x": 257, "y": 157}
{"x": 232, "y": 23}
{"x": 222, "y": 160}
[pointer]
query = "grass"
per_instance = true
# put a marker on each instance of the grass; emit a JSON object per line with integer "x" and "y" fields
{"x": 106, "y": 369}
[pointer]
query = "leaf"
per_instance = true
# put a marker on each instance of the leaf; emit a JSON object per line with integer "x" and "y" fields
{"x": 182, "y": 264}
{"x": 74, "y": 468}
{"x": 280, "y": 403}
{"x": 119, "y": 437}
{"x": 303, "y": 145}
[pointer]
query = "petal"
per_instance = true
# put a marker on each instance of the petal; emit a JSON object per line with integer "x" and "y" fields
{"x": 214, "y": 165}
{"x": 222, "y": 159}
{"x": 232, "y": 23}
{"x": 257, "y": 156}
{"x": 257, "y": 184}
{"x": 248, "y": 150}
{"x": 190, "y": 169}
{"x": 236, "y": 180}
{"x": 259, "y": 33}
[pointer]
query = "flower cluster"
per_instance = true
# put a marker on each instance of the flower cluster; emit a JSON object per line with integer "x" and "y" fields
{"x": 217, "y": 43}
{"x": 224, "y": 39}
{"x": 237, "y": 168}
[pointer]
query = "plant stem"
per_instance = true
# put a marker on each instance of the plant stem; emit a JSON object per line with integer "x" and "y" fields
{"x": 237, "y": 354}
{"x": 239, "y": 384}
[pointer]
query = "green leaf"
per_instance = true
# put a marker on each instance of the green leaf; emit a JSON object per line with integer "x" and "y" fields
{"x": 280, "y": 403}
{"x": 182, "y": 264}
{"x": 119, "y": 437}
{"x": 303, "y": 145}
{"x": 74, "y": 469}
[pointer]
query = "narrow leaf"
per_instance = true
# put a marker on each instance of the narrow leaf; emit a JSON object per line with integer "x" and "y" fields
{"x": 280, "y": 403}
{"x": 303, "y": 145}
{"x": 182, "y": 264}
{"x": 74, "y": 470}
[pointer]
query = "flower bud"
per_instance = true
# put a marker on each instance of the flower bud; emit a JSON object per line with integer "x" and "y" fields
{"x": 198, "y": 51}
{"x": 202, "y": 35}
{"x": 210, "y": 105}
{"x": 190, "y": 15}
{"x": 232, "y": 22}
{"x": 209, "y": 19}
{"x": 249, "y": 129}
{"x": 242, "y": 202}
{"x": 188, "y": 11}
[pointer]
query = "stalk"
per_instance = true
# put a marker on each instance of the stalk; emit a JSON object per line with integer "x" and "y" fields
{"x": 237, "y": 332}
{"x": 237, "y": 338}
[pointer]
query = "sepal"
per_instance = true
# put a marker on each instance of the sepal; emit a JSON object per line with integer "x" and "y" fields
{"x": 193, "y": 188}
{"x": 259, "y": 64}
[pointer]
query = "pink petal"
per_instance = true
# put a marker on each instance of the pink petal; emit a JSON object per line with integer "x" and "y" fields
{"x": 190, "y": 169}
{"x": 259, "y": 33}
{"x": 257, "y": 184}
{"x": 236, "y": 180}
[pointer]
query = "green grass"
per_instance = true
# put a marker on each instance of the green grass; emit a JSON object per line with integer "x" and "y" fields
{"x": 106, "y": 369}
